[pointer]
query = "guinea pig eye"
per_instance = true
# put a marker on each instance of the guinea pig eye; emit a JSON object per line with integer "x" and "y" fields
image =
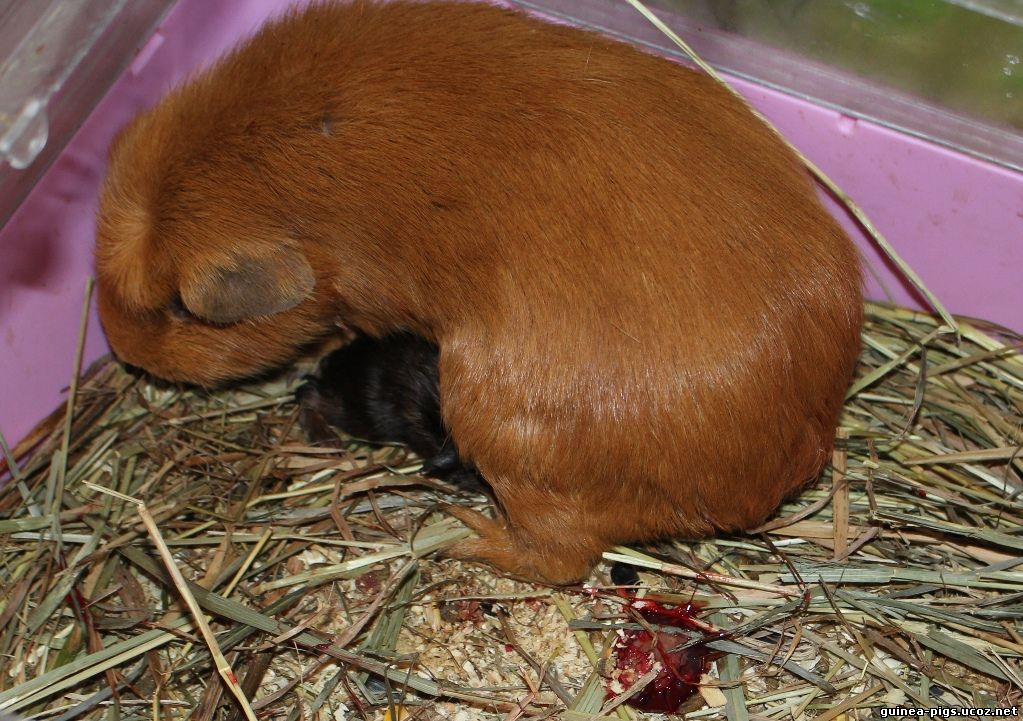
{"x": 177, "y": 310}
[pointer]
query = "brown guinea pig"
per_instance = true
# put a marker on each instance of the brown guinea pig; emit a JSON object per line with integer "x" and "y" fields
{"x": 383, "y": 390}
{"x": 646, "y": 320}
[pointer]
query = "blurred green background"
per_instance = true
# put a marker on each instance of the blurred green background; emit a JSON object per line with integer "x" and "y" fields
{"x": 968, "y": 61}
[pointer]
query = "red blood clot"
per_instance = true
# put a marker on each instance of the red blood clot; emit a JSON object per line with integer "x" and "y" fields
{"x": 636, "y": 652}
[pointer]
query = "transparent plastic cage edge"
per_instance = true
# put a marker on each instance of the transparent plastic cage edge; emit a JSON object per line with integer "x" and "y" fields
{"x": 57, "y": 60}
{"x": 41, "y": 60}
{"x": 947, "y": 71}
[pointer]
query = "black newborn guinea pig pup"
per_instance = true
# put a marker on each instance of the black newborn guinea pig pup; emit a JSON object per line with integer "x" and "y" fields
{"x": 383, "y": 390}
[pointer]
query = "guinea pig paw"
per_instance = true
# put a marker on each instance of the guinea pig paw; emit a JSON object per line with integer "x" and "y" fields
{"x": 493, "y": 542}
{"x": 501, "y": 547}
{"x": 484, "y": 526}
{"x": 311, "y": 419}
{"x": 317, "y": 429}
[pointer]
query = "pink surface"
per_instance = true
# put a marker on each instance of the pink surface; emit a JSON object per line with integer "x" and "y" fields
{"x": 957, "y": 221}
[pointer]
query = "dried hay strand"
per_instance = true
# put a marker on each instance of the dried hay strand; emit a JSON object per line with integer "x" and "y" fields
{"x": 895, "y": 580}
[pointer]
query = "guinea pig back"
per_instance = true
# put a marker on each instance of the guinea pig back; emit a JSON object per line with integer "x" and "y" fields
{"x": 646, "y": 321}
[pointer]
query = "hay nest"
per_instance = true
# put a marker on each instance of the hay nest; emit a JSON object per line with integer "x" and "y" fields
{"x": 318, "y": 592}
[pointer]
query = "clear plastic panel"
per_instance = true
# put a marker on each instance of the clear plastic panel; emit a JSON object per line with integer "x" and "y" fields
{"x": 57, "y": 59}
{"x": 949, "y": 71}
{"x": 47, "y": 40}
{"x": 965, "y": 57}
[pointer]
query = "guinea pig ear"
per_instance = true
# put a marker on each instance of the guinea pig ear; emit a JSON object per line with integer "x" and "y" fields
{"x": 248, "y": 286}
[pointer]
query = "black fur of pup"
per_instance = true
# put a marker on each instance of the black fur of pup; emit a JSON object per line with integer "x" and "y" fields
{"x": 383, "y": 391}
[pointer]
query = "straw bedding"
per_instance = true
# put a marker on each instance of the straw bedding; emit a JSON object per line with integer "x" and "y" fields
{"x": 897, "y": 580}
